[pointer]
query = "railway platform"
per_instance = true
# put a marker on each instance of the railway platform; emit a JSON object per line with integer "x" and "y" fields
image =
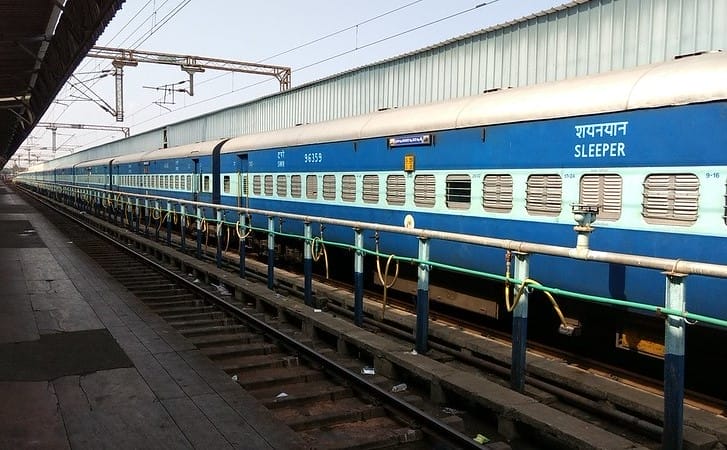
{"x": 84, "y": 364}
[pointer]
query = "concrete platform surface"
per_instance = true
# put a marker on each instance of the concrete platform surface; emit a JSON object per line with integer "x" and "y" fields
{"x": 84, "y": 364}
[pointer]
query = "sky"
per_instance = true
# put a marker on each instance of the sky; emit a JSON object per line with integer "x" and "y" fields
{"x": 320, "y": 39}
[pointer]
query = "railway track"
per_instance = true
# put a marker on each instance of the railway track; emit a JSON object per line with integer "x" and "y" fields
{"x": 332, "y": 401}
{"x": 324, "y": 405}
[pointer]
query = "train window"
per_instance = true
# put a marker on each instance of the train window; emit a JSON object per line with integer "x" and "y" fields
{"x": 189, "y": 182}
{"x": 226, "y": 184}
{"x": 245, "y": 185}
{"x": 183, "y": 183}
{"x": 497, "y": 193}
{"x": 348, "y": 188}
{"x": 311, "y": 187}
{"x": 544, "y": 194}
{"x": 671, "y": 199}
{"x": 329, "y": 187}
{"x": 206, "y": 183}
{"x": 268, "y": 185}
{"x": 424, "y": 190}
{"x": 295, "y": 186}
{"x": 282, "y": 187}
{"x": 166, "y": 181}
{"x": 459, "y": 191}
{"x": 176, "y": 182}
{"x": 371, "y": 188}
{"x": 256, "y": 185}
{"x": 605, "y": 191}
{"x": 395, "y": 190}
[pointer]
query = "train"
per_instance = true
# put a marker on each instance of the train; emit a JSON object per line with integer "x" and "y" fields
{"x": 645, "y": 146}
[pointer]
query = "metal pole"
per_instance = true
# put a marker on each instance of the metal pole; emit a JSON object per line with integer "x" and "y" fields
{"x": 358, "y": 278}
{"x": 520, "y": 325}
{"x": 147, "y": 222}
{"x": 218, "y": 255}
{"x": 169, "y": 223}
{"x": 271, "y": 252}
{"x": 182, "y": 227}
{"x": 241, "y": 250}
{"x": 308, "y": 264}
{"x": 422, "y": 325}
{"x": 137, "y": 214}
{"x": 199, "y": 233}
{"x": 674, "y": 337}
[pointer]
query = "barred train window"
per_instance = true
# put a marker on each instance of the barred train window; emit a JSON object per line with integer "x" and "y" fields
{"x": 189, "y": 182}
{"x": 424, "y": 192}
{"x": 605, "y": 191}
{"x": 226, "y": 184}
{"x": 183, "y": 183}
{"x": 295, "y": 186}
{"x": 671, "y": 199}
{"x": 371, "y": 188}
{"x": 268, "y": 185}
{"x": 256, "y": 185}
{"x": 329, "y": 187}
{"x": 176, "y": 182}
{"x": 206, "y": 184}
{"x": 395, "y": 190}
{"x": 459, "y": 191}
{"x": 282, "y": 188}
{"x": 311, "y": 187}
{"x": 497, "y": 193}
{"x": 544, "y": 194}
{"x": 348, "y": 188}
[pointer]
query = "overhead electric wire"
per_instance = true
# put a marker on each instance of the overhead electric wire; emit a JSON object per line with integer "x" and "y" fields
{"x": 392, "y": 36}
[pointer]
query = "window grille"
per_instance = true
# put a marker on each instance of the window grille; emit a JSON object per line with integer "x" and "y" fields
{"x": 371, "y": 188}
{"x": 282, "y": 187}
{"x": 497, "y": 193}
{"x": 424, "y": 190}
{"x": 671, "y": 199}
{"x": 295, "y": 186}
{"x": 329, "y": 187}
{"x": 605, "y": 191}
{"x": 348, "y": 188}
{"x": 268, "y": 185}
{"x": 311, "y": 187}
{"x": 544, "y": 195}
{"x": 395, "y": 190}
{"x": 459, "y": 191}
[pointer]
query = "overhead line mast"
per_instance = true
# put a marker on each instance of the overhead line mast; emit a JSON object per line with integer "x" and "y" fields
{"x": 80, "y": 126}
{"x": 191, "y": 64}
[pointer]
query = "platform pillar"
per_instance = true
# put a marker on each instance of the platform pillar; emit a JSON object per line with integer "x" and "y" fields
{"x": 183, "y": 227}
{"x": 199, "y": 233}
{"x": 358, "y": 278}
{"x": 422, "y": 323}
{"x": 308, "y": 264}
{"x": 674, "y": 337}
{"x": 241, "y": 249}
{"x": 218, "y": 232}
{"x": 520, "y": 325}
{"x": 271, "y": 252}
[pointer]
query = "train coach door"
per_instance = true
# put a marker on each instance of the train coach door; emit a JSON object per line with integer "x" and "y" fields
{"x": 243, "y": 193}
{"x": 195, "y": 180}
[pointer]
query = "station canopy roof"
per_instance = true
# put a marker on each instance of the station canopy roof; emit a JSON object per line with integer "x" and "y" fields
{"x": 41, "y": 44}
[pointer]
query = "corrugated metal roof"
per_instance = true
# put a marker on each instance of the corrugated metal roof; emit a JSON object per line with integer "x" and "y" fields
{"x": 575, "y": 39}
